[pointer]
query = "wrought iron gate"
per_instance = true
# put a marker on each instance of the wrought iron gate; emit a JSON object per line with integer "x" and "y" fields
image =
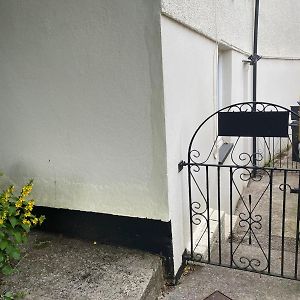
{"x": 244, "y": 206}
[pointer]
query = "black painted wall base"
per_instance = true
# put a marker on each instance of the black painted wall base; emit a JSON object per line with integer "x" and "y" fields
{"x": 145, "y": 234}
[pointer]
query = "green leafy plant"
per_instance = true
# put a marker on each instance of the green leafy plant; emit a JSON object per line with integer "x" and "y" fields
{"x": 12, "y": 296}
{"x": 16, "y": 220}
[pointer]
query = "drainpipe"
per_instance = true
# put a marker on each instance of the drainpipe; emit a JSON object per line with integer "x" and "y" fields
{"x": 253, "y": 59}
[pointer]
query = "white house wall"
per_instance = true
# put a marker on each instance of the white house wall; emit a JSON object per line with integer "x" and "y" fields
{"x": 279, "y": 32}
{"x": 188, "y": 67}
{"x": 278, "y": 81}
{"x": 190, "y": 79}
{"x": 82, "y": 104}
{"x": 231, "y": 21}
{"x": 215, "y": 19}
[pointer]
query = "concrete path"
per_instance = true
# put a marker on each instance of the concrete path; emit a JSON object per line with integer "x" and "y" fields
{"x": 58, "y": 268}
{"x": 201, "y": 281}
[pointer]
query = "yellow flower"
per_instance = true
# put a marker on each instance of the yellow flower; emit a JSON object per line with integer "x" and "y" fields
{"x": 19, "y": 203}
{"x": 4, "y": 216}
{"x": 35, "y": 221}
{"x": 26, "y": 222}
{"x": 1, "y": 221}
{"x": 30, "y": 205}
{"x": 27, "y": 214}
{"x": 27, "y": 189}
{"x": 6, "y": 194}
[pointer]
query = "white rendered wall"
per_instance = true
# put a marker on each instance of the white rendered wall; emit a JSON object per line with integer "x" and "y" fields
{"x": 215, "y": 19}
{"x": 279, "y": 28}
{"x": 279, "y": 81}
{"x": 190, "y": 81}
{"x": 231, "y": 22}
{"x": 188, "y": 66}
{"x": 238, "y": 90}
{"x": 82, "y": 104}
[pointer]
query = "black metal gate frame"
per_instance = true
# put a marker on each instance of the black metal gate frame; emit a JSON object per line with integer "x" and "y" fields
{"x": 252, "y": 220}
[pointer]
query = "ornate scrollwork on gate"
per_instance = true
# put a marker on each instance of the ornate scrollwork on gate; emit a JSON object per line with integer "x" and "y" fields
{"x": 210, "y": 198}
{"x": 249, "y": 224}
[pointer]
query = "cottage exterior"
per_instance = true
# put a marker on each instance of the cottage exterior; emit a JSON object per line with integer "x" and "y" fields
{"x": 100, "y": 99}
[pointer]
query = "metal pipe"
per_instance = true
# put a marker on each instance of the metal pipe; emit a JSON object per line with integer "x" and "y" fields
{"x": 254, "y": 58}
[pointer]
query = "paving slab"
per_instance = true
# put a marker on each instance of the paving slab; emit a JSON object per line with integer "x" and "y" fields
{"x": 202, "y": 281}
{"x": 55, "y": 267}
{"x": 272, "y": 240}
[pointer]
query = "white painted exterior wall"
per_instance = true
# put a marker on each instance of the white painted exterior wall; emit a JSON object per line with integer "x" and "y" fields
{"x": 190, "y": 82}
{"x": 279, "y": 81}
{"x": 231, "y": 22}
{"x": 279, "y": 33}
{"x": 188, "y": 64}
{"x": 82, "y": 104}
{"x": 215, "y": 19}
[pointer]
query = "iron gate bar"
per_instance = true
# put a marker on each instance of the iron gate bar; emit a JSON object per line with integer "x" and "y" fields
{"x": 231, "y": 213}
{"x": 274, "y": 151}
{"x": 254, "y": 59}
{"x": 189, "y": 260}
{"x": 263, "y": 260}
{"x": 191, "y": 257}
{"x": 270, "y": 221}
{"x": 240, "y": 167}
{"x": 283, "y": 221}
{"x": 269, "y": 256}
{"x": 297, "y": 234}
{"x": 219, "y": 217}
{"x": 208, "y": 225}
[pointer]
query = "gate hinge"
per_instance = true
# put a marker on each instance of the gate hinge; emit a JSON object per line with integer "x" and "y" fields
{"x": 181, "y": 165}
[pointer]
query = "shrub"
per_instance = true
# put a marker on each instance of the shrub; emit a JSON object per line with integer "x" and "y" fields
{"x": 16, "y": 220}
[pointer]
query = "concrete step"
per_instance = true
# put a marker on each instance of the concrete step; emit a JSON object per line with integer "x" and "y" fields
{"x": 55, "y": 267}
{"x": 201, "y": 233}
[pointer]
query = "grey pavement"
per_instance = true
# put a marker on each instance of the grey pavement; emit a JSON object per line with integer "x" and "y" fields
{"x": 201, "y": 281}
{"x": 55, "y": 267}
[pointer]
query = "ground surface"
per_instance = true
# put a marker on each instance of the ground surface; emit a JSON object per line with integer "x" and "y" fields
{"x": 278, "y": 232}
{"x": 238, "y": 285}
{"x": 55, "y": 267}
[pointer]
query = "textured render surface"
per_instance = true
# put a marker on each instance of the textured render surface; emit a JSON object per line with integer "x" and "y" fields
{"x": 220, "y": 20}
{"x": 189, "y": 64}
{"x": 279, "y": 33}
{"x": 82, "y": 104}
{"x": 59, "y": 268}
{"x": 231, "y": 21}
{"x": 278, "y": 81}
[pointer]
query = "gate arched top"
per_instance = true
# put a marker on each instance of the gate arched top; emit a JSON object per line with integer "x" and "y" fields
{"x": 260, "y": 112}
{"x": 256, "y": 176}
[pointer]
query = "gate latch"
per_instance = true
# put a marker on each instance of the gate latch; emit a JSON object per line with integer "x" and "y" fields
{"x": 295, "y": 191}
